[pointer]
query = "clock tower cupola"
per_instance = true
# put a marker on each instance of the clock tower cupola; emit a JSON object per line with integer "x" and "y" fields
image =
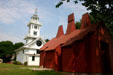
{"x": 34, "y": 28}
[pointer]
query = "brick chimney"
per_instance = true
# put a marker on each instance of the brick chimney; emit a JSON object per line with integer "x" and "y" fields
{"x": 60, "y": 31}
{"x": 71, "y": 24}
{"x": 85, "y": 21}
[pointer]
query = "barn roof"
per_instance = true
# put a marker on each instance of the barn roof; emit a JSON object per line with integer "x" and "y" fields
{"x": 78, "y": 36}
{"x": 52, "y": 43}
{"x": 72, "y": 34}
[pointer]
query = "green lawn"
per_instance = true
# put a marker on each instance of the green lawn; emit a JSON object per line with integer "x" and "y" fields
{"x": 11, "y": 69}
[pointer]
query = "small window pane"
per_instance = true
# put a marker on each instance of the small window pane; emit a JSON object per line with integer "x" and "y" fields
{"x": 38, "y": 51}
{"x": 35, "y": 33}
{"x": 33, "y": 58}
{"x": 23, "y": 51}
{"x": 35, "y": 27}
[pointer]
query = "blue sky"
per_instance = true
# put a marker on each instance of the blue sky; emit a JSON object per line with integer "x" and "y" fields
{"x": 15, "y": 14}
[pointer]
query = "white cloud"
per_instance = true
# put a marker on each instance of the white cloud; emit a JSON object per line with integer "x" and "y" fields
{"x": 6, "y": 36}
{"x": 78, "y": 9}
{"x": 16, "y": 10}
{"x": 13, "y": 10}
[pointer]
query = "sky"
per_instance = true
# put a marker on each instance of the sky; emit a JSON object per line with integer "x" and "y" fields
{"x": 15, "y": 15}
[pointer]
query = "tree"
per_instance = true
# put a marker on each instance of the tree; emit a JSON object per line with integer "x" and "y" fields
{"x": 101, "y": 10}
{"x": 78, "y": 24}
{"x": 46, "y": 40}
{"x": 7, "y": 49}
{"x": 18, "y": 45}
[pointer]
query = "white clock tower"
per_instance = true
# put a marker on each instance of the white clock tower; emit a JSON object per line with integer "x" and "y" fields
{"x": 34, "y": 28}
{"x": 30, "y": 52}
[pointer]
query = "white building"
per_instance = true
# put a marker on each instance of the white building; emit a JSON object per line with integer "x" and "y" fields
{"x": 30, "y": 51}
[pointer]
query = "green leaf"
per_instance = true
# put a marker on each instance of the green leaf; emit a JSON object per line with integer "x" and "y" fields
{"x": 59, "y": 4}
{"x": 68, "y": 0}
{"x": 75, "y": 2}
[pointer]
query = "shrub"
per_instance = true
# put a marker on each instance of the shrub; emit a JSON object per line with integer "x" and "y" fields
{"x": 17, "y": 63}
{"x": 14, "y": 62}
{"x": 25, "y": 63}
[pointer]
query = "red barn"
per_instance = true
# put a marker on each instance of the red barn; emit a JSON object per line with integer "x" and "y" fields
{"x": 48, "y": 51}
{"x": 88, "y": 49}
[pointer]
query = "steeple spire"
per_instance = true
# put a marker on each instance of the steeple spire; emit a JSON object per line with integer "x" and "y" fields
{"x": 35, "y": 16}
{"x": 36, "y": 11}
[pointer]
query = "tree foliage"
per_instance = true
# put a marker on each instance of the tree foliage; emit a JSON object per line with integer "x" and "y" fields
{"x": 17, "y": 45}
{"x": 7, "y": 50}
{"x": 46, "y": 40}
{"x": 78, "y": 25}
{"x": 101, "y": 10}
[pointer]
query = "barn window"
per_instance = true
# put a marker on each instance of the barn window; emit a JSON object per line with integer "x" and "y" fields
{"x": 33, "y": 58}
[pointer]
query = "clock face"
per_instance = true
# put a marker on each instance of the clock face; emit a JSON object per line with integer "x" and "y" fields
{"x": 39, "y": 43}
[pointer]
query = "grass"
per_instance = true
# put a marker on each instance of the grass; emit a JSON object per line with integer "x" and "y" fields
{"x": 11, "y": 69}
